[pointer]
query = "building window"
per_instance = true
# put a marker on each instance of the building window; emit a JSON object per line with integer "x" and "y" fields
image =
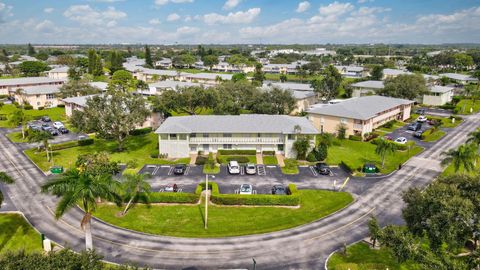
{"x": 205, "y": 135}
{"x": 50, "y": 96}
{"x": 173, "y": 136}
{"x": 164, "y": 137}
{"x": 182, "y": 137}
{"x": 291, "y": 137}
{"x": 280, "y": 147}
{"x": 227, "y": 135}
{"x": 227, "y": 146}
{"x": 193, "y": 135}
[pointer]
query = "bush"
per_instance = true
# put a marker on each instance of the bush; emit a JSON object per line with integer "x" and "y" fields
{"x": 65, "y": 145}
{"x": 401, "y": 147}
{"x": 84, "y": 142}
{"x": 40, "y": 108}
{"x": 61, "y": 105}
{"x": 355, "y": 138}
{"x": 173, "y": 197}
{"x": 268, "y": 153}
{"x": 141, "y": 131}
{"x": 237, "y": 152}
{"x": 239, "y": 159}
{"x": 311, "y": 157}
{"x": 371, "y": 136}
{"x": 3, "y": 117}
{"x": 132, "y": 164}
{"x": 28, "y": 107}
{"x": 389, "y": 124}
{"x": 447, "y": 107}
{"x": 210, "y": 161}
{"x": 201, "y": 160}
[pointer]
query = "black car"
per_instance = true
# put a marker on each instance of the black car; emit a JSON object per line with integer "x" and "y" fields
{"x": 415, "y": 126}
{"x": 322, "y": 168}
{"x": 279, "y": 190}
{"x": 46, "y": 119}
{"x": 63, "y": 130}
{"x": 51, "y": 130}
{"x": 34, "y": 127}
{"x": 179, "y": 169}
{"x": 420, "y": 111}
{"x": 419, "y": 134}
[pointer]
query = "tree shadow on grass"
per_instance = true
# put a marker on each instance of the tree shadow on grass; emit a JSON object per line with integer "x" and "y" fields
{"x": 10, "y": 227}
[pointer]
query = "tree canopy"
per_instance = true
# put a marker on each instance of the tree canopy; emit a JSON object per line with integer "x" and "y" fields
{"x": 405, "y": 86}
{"x": 32, "y": 68}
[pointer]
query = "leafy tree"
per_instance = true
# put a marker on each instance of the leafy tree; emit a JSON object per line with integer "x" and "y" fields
{"x": 32, "y": 68}
{"x": 384, "y": 147}
{"x": 122, "y": 80}
{"x": 239, "y": 77}
{"x": 283, "y": 78}
{"x": 97, "y": 164}
{"x": 188, "y": 59}
{"x": 79, "y": 187}
{"x": 463, "y": 61}
{"x": 187, "y": 100}
{"x": 238, "y": 60}
{"x": 74, "y": 88}
{"x": 43, "y": 56}
{"x": 19, "y": 118}
{"x": 115, "y": 62}
{"x": 474, "y": 137}
{"x": 30, "y": 50}
{"x": 258, "y": 74}
{"x": 444, "y": 80}
{"x": 74, "y": 73}
{"x": 376, "y": 73}
{"x": 341, "y": 131}
{"x": 321, "y": 152}
{"x": 301, "y": 146}
{"x": 136, "y": 189}
{"x": 328, "y": 86}
{"x": 210, "y": 61}
{"x": 6, "y": 179}
{"x": 374, "y": 229}
{"x": 405, "y": 86}
{"x": 40, "y": 136}
{"x": 148, "y": 57}
{"x": 464, "y": 156}
{"x": 232, "y": 97}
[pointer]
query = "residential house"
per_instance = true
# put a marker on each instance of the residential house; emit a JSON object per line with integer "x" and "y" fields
{"x": 352, "y": 71}
{"x": 389, "y": 73}
{"x": 226, "y": 67}
{"x": 438, "y": 95}
{"x": 366, "y": 88}
{"x": 359, "y": 115}
{"x": 302, "y": 92}
{"x": 58, "y": 73}
{"x": 459, "y": 78}
{"x": 42, "y": 96}
{"x": 161, "y": 86}
{"x": 291, "y": 68}
{"x": 184, "y": 135}
{"x": 11, "y": 85}
{"x": 164, "y": 63}
{"x": 206, "y": 78}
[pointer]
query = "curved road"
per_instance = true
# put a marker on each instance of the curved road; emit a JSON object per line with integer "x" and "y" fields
{"x": 304, "y": 247}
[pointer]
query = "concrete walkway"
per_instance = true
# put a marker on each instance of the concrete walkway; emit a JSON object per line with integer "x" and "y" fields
{"x": 193, "y": 158}
{"x": 259, "y": 159}
{"x": 280, "y": 159}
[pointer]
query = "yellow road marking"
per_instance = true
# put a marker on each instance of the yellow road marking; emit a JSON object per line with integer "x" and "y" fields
{"x": 344, "y": 183}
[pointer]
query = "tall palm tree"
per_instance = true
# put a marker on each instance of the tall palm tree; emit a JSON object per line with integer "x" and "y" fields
{"x": 474, "y": 137}
{"x": 137, "y": 189}
{"x": 465, "y": 155}
{"x": 7, "y": 179}
{"x": 76, "y": 187}
{"x": 19, "y": 118}
{"x": 41, "y": 137}
{"x": 384, "y": 147}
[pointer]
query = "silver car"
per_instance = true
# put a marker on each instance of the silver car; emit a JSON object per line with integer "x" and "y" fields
{"x": 250, "y": 168}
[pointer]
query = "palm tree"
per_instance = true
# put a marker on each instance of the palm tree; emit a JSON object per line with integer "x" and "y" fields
{"x": 136, "y": 189}
{"x": 465, "y": 155}
{"x": 18, "y": 117}
{"x": 7, "y": 179}
{"x": 384, "y": 147}
{"x": 77, "y": 187}
{"x": 41, "y": 137}
{"x": 474, "y": 137}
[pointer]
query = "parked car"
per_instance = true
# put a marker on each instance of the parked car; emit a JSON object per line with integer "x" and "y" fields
{"x": 421, "y": 111}
{"x": 322, "y": 168}
{"x": 419, "y": 134}
{"x": 250, "y": 169}
{"x": 388, "y": 138}
{"x": 233, "y": 167}
{"x": 63, "y": 130}
{"x": 422, "y": 118}
{"x": 82, "y": 137}
{"x": 45, "y": 126}
{"x": 246, "y": 189}
{"x": 46, "y": 119}
{"x": 34, "y": 127}
{"x": 179, "y": 169}
{"x": 53, "y": 131}
{"x": 401, "y": 140}
{"x": 171, "y": 188}
{"x": 415, "y": 126}
{"x": 279, "y": 190}
{"x": 58, "y": 125}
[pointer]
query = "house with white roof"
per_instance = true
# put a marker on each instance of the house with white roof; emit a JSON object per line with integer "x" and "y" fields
{"x": 11, "y": 85}
{"x": 389, "y": 73}
{"x": 359, "y": 115}
{"x": 438, "y": 95}
{"x": 352, "y": 71}
{"x": 460, "y": 78}
{"x": 291, "y": 68}
{"x": 184, "y": 135}
{"x": 159, "y": 87}
{"x": 366, "y": 88}
{"x": 58, "y": 73}
{"x": 206, "y": 78}
{"x": 164, "y": 63}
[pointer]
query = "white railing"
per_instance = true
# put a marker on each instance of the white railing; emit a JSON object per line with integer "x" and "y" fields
{"x": 233, "y": 140}
{"x": 357, "y": 126}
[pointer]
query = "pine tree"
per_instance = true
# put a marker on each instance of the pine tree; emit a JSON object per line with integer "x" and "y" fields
{"x": 148, "y": 57}
{"x": 31, "y": 50}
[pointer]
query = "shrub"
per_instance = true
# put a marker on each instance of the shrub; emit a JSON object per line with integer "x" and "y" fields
{"x": 84, "y": 142}
{"x": 268, "y": 153}
{"x": 341, "y": 131}
{"x": 28, "y": 107}
{"x": 239, "y": 159}
{"x": 311, "y": 157}
{"x": 401, "y": 147}
{"x": 65, "y": 145}
{"x": 61, "y": 105}
{"x": 322, "y": 152}
{"x": 3, "y": 117}
{"x": 210, "y": 161}
{"x": 389, "y": 124}
{"x": 447, "y": 107}
{"x": 355, "y": 138}
{"x": 371, "y": 136}
{"x": 132, "y": 164}
{"x": 141, "y": 131}
{"x": 173, "y": 197}
{"x": 154, "y": 154}
{"x": 201, "y": 160}
{"x": 236, "y": 152}
{"x": 41, "y": 108}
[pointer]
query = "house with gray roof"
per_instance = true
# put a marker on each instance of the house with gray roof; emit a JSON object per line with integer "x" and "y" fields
{"x": 302, "y": 92}
{"x": 184, "y": 135}
{"x": 352, "y": 71}
{"x": 8, "y": 85}
{"x": 366, "y": 88}
{"x": 360, "y": 115}
{"x": 459, "y": 78}
{"x": 58, "y": 73}
{"x": 438, "y": 95}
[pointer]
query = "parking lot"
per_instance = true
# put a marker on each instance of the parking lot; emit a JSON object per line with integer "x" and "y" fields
{"x": 61, "y": 137}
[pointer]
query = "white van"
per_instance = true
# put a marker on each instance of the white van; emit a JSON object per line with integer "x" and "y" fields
{"x": 233, "y": 167}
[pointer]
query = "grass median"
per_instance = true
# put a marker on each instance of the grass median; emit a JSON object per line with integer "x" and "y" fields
{"x": 16, "y": 234}
{"x": 224, "y": 221}
{"x": 56, "y": 114}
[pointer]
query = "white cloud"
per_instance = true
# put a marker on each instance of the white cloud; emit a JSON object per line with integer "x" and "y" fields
{"x": 5, "y": 11}
{"x": 173, "y": 17}
{"x": 106, "y": 1}
{"x": 232, "y": 18}
{"x": 303, "y": 6}
{"x": 231, "y": 4}
{"x": 188, "y": 18}
{"x": 164, "y": 2}
{"x": 364, "y": 1}
{"x": 86, "y": 15}
{"x": 335, "y": 9}
{"x": 48, "y": 10}
{"x": 154, "y": 21}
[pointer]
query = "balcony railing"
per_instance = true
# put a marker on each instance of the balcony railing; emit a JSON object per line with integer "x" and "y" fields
{"x": 234, "y": 140}
{"x": 357, "y": 126}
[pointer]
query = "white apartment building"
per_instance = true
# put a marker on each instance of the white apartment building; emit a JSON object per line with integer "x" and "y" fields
{"x": 366, "y": 88}
{"x": 58, "y": 73}
{"x": 11, "y": 85}
{"x": 184, "y": 135}
{"x": 438, "y": 95}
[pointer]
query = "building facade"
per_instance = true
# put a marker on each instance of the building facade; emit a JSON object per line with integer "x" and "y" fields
{"x": 438, "y": 95}
{"x": 11, "y": 85}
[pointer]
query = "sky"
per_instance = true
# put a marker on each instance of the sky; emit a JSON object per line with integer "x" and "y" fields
{"x": 239, "y": 21}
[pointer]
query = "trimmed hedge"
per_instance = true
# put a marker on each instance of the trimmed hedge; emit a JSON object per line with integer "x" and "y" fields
{"x": 84, "y": 142}
{"x": 237, "y": 152}
{"x": 173, "y": 197}
{"x": 141, "y": 131}
{"x": 239, "y": 159}
{"x": 71, "y": 144}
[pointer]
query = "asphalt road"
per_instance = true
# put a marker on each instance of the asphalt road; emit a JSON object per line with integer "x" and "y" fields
{"x": 303, "y": 247}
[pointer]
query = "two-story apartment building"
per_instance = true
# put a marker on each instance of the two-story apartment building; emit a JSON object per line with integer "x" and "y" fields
{"x": 42, "y": 96}
{"x": 164, "y": 63}
{"x": 359, "y": 115}
{"x": 352, "y": 71}
{"x": 366, "y": 88}
{"x": 11, "y": 85}
{"x": 438, "y": 95}
{"x": 58, "y": 73}
{"x": 184, "y": 135}
{"x": 302, "y": 92}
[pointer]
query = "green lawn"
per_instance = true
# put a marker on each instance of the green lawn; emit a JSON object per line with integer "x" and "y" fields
{"x": 223, "y": 159}
{"x": 187, "y": 220}
{"x": 207, "y": 170}
{"x": 464, "y": 106}
{"x": 16, "y": 137}
{"x": 137, "y": 148}
{"x": 361, "y": 257}
{"x": 446, "y": 121}
{"x": 291, "y": 166}
{"x": 56, "y": 114}
{"x": 16, "y": 234}
{"x": 355, "y": 154}
{"x": 385, "y": 130}
{"x": 432, "y": 137}
{"x": 270, "y": 160}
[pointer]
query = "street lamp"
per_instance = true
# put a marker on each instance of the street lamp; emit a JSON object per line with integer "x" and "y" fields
{"x": 206, "y": 200}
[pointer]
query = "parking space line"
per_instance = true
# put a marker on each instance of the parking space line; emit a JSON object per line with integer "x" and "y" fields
{"x": 170, "y": 172}
{"x": 155, "y": 170}
{"x": 261, "y": 170}
{"x": 242, "y": 170}
{"x": 187, "y": 170}
{"x": 312, "y": 169}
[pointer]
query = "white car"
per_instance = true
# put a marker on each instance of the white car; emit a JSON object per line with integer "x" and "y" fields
{"x": 246, "y": 189}
{"x": 58, "y": 125}
{"x": 250, "y": 169}
{"x": 401, "y": 140}
{"x": 233, "y": 167}
{"x": 422, "y": 118}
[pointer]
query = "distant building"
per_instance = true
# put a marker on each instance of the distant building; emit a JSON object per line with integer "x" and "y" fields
{"x": 319, "y": 52}
{"x": 274, "y": 53}
{"x": 58, "y": 73}
{"x": 438, "y": 95}
{"x": 207, "y": 78}
{"x": 9, "y": 85}
{"x": 389, "y": 73}
{"x": 366, "y": 88}
{"x": 359, "y": 115}
{"x": 459, "y": 78}
{"x": 352, "y": 71}
{"x": 161, "y": 86}
{"x": 165, "y": 63}
{"x": 302, "y": 92}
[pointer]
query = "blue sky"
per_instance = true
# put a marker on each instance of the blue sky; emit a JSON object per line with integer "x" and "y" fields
{"x": 239, "y": 21}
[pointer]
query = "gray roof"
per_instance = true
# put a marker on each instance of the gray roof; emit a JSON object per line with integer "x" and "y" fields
{"x": 302, "y": 94}
{"x": 459, "y": 77}
{"x": 292, "y": 86}
{"x": 102, "y": 85}
{"x": 173, "y": 84}
{"x": 79, "y": 101}
{"x": 245, "y": 123}
{"x": 350, "y": 68}
{"x": 59, "y": 69}
{"x": 369, "y": 84}
{"x": 362, "y": 108}
{"x": 28, "y": 80}
{"x": 441, "y": 89}
{"x": 394, "y": 72}
{"x": 208, "y": 76}
{"x": 41, "y": 89}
